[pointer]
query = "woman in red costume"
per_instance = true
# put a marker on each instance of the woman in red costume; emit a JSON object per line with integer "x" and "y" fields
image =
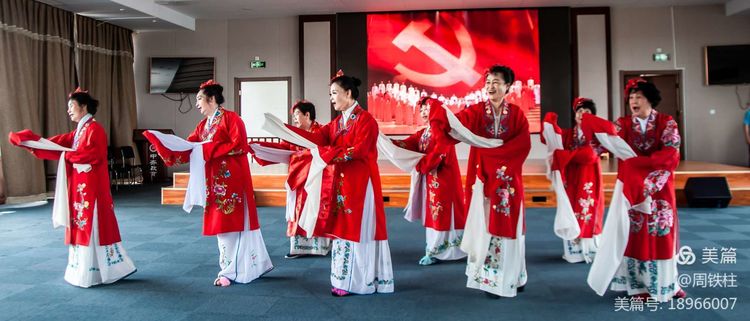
{"x": 95, "y": 252}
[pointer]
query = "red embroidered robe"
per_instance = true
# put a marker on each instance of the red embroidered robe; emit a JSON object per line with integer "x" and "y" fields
{"x": 85, "y": 189}
{"x": 581, "y": 170}
{"x": 443, "y": 178}
{"x": 652, "y": 236}
{"x": 500, "y": 168}
{"x": 228, "y": 176}
{"x": 299, "y": 166}
{"x": 352, "y": 149}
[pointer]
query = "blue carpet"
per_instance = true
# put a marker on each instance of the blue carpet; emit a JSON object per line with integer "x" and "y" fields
{"x": 176, "y": 267}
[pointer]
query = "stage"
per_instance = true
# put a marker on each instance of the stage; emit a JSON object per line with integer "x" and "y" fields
{"x": 269, "y": 183}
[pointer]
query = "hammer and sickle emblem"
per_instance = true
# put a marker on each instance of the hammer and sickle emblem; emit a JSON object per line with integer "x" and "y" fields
{"x": 457, "y": 70}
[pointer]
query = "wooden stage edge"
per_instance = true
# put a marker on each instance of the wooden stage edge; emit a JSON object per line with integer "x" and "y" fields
{"x": 268, "y": 183}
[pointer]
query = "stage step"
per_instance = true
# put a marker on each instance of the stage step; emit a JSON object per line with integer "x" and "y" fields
{"x": 530, "y": 181}
{"x": 399, "y": 197}
{"x": 269, "y": 184}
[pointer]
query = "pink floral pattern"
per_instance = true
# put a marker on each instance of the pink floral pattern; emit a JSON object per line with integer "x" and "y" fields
{"x": 492, "y": 264}
{"x": 225, "y": 204}
{"x": 670, "y": 137}
{"x": 659, "y": 222}
{"x": 662, "y": 218}
{"x": 340, "y": 198}
{"x": 79, "y": 220}
{"x": 636, "y": 221}
{"x": 435, "y": 207}
{"x": 586, "y": 203}
{"x": 655, "y": 181}
{"x": 505, "y": 192}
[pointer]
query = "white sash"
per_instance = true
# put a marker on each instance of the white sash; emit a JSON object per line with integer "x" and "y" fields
{"x": 463, "y": 134}
{"x": 271, "y": 154}
{"x": 196, "y": 190}
{"x": 476, "y": 238}
{"x": 60, "y": 209}
{"x": 614, "y": 239}
{"x": 406, "y": 160}
{"x": 566, "y": 225}
{"x": 313, "y": 184}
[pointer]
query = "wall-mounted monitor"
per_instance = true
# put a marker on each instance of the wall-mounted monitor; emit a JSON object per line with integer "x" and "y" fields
{"x": 179, "y": 75}
{"x": 727, "y": 65}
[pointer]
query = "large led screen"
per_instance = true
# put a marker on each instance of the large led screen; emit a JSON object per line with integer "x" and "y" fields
{"x": 444, "y": 54}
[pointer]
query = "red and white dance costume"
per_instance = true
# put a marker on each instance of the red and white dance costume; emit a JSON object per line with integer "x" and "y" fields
{"x": 580, "y": 169}
{"x": 95, "y": 252}
{"x": 639, "y": 242}
{"x": 299, "y": 166}
{"x": 501, "y": 269}
{"x": 360, "y": 255}
{"x": 230, "y": 211}
{"x": 443, "y": 214}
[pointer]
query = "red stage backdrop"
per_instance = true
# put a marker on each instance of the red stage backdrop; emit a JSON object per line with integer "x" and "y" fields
{"x": 444, "y": 54}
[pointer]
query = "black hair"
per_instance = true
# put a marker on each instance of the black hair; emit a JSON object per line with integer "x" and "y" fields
{"x": 588, "y": 104}
{"x": 83, "y": 98}
{"x": 305, "y": 107}
{"x": 348, "y": 83}
{"x": 424, "y": 100}
{"x": 507, "y": 73}
{"x": 214, "y": 91}
{"x": 649, "y": 90}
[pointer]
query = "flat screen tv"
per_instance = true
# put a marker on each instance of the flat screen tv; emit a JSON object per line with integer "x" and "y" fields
{"x": 727, "y": 65}
{"x": 179, "y": 75}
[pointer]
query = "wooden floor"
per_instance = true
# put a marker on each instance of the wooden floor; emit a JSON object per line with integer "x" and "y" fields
{"x": 269, "y": 183}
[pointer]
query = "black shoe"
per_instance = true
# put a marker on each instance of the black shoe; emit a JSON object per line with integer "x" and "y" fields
{"x": 291, "y": 256}
{"x": 492, "y": 296}
{"x": 521, "y": 288}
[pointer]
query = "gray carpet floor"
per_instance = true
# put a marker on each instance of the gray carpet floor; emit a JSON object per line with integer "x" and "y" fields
{"x": 176, "y": 268}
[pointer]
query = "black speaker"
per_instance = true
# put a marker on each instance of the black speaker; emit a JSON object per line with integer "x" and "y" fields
{"x": 707, "y": 192}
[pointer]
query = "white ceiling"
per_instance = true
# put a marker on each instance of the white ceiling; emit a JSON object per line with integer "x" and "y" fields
{"x": 176, "y": 14}
{"x": 239, "y": 9}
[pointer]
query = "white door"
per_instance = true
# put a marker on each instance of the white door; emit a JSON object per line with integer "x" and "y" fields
{"x": 264, "y": 95}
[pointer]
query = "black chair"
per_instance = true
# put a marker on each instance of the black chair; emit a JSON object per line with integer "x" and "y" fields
{"x": 111, "y": 166}
{"x": 132, "y": 170}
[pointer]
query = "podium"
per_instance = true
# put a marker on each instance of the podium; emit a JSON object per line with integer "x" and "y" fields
{"x": 154, "y": 169}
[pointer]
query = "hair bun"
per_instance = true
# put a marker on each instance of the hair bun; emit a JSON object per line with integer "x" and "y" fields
{"x": 356, "y": 81}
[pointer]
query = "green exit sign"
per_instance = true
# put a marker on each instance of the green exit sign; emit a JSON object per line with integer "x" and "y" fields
{"x": 257, "y": 64}
{"x": 661, "y": 56}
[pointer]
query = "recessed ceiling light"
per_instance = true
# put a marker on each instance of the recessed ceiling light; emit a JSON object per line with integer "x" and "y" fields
{"x": 122, "y": 9}
{"x": 153, "y": 20}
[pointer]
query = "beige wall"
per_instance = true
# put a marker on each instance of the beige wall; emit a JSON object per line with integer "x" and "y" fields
{"x": 592, "y": 61}
{"x": 637, "y": 32}
{"x": 273, "y": 40}
{"x": 317, "y": 44}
